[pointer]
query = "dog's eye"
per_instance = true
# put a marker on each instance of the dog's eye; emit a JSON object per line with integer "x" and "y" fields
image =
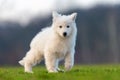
{"x": 60, "y": 26}
{"x": 68, "y": 26}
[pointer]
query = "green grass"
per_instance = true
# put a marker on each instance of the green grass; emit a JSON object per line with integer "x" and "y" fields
{"x": 79, "y": 72}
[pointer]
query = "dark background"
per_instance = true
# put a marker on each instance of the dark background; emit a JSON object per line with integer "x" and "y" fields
{"x": 98, "y": 38}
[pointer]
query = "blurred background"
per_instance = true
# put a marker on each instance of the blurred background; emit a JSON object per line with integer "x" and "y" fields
{"x": 98, "y": 23}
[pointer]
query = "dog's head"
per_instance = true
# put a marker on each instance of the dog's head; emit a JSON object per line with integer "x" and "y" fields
{"x": 64, "y": 25}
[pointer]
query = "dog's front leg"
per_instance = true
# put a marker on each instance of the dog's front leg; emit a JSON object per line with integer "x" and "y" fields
{"x": 69, "y": 61}
{"x": 50, "y": 61}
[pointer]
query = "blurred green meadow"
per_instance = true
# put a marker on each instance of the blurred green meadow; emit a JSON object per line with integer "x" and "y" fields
{"x": 78, "y": 72}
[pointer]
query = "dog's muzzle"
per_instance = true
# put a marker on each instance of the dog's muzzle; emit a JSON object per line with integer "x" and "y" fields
{"x": 64, "y": 34}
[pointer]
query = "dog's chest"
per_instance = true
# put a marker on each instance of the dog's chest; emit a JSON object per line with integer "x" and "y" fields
{"x": 62, "y": 48}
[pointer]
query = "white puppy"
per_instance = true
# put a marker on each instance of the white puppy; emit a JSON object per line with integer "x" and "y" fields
{"x": 53, "y": 44}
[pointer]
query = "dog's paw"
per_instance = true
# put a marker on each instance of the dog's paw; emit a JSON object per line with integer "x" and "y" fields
{"x": 60, "y": 70}
{"x": 52, "y": 71}
{"x": 29, "y": 71}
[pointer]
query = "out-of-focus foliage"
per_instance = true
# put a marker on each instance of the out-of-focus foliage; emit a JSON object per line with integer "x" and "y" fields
{"x": 98, "y": 39}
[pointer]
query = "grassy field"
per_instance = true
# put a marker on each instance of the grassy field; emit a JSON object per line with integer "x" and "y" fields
{"x": 79, "y": 72}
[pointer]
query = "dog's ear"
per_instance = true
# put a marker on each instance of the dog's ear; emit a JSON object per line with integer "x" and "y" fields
{"x": 73, "y": 16}
{"x": 55, "y": 15}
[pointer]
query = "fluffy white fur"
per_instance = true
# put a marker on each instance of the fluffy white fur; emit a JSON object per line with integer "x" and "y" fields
{"x": 53, "y": 44}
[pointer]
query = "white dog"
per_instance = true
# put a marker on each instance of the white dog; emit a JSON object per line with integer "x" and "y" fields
{"x": 53, "y": 44}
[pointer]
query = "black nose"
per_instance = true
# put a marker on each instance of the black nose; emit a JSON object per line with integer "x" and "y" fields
{"x": 64, "y": 34}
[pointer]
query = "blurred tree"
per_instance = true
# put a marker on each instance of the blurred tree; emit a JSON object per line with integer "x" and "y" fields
{"x": 113, "y": 42}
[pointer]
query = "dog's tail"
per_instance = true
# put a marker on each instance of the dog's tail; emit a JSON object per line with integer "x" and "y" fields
{"x": 21, "y": 62}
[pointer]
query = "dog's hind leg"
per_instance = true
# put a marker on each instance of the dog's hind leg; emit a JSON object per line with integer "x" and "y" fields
{"x": 31, "y": 59}
{"x": 28, "y": 68}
